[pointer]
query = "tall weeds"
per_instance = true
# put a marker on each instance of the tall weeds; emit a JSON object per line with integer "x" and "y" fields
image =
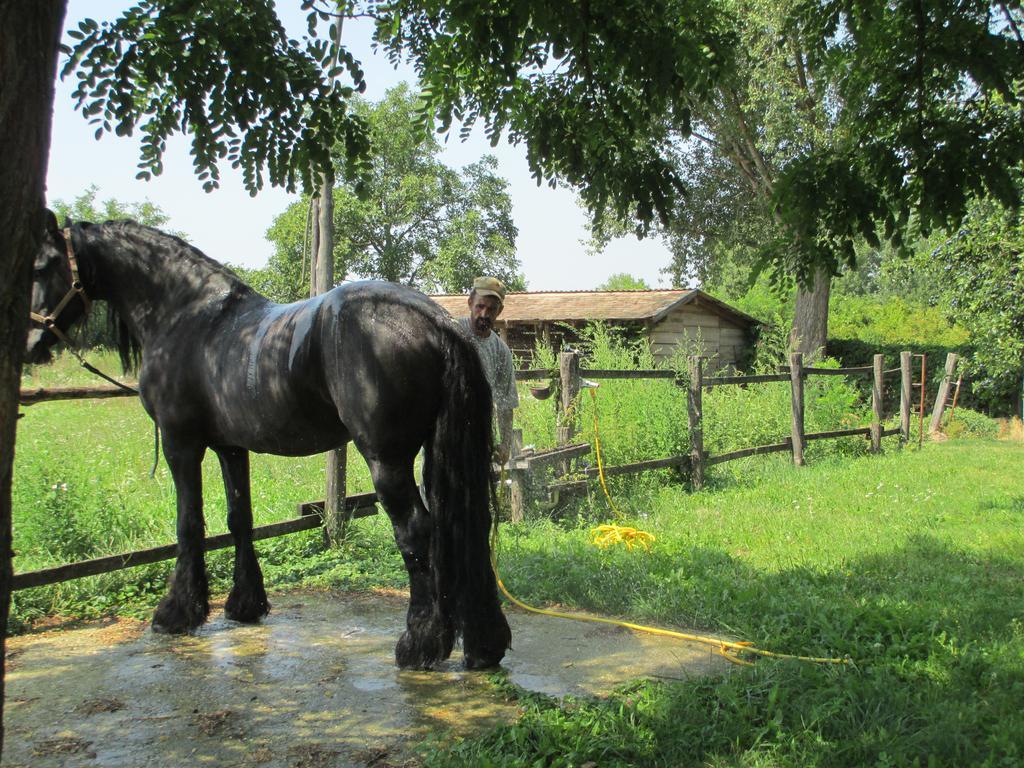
{"x": 641, "y": 419}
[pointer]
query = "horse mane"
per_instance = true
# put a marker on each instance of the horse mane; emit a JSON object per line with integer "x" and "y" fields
{"x": 129, "y": 348}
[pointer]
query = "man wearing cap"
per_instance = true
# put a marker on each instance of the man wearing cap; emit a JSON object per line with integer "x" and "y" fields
{"x": 485, "y": 304}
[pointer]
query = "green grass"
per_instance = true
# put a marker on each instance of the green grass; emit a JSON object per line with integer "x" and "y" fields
{"x": 911, "y": 564}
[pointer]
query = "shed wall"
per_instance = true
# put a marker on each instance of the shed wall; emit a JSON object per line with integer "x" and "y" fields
{"x": 694, "y": 329}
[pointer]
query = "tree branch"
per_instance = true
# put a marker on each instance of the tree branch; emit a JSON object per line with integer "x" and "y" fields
{"x": 809, "y": 100}
{"x": 706, "y": 139}
{"x": 1012, "y": 23}
{"x": 749, "y": 141}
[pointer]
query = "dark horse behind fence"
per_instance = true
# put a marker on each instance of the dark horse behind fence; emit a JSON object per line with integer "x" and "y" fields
{"x": 224, "y": 368}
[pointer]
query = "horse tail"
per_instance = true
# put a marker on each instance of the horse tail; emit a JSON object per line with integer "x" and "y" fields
{"x": 461, "y": 498}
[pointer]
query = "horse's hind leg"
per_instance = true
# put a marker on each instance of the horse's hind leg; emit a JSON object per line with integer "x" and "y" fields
{"x": 186, "y": 604}
{"x": 248, "y": 599}
{"x": 430, "y": 631}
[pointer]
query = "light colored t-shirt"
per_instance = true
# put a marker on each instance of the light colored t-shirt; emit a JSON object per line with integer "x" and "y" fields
{"x": 498, "y": 368}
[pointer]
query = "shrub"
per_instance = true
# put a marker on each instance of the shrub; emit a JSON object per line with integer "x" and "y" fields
{"x": 968, "y": 423}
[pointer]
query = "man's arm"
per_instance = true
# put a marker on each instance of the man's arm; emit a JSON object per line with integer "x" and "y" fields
{"x": 504, "y": 402}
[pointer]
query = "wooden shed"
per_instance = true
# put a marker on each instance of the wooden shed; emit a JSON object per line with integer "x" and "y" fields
{"x": 667, "y": 318}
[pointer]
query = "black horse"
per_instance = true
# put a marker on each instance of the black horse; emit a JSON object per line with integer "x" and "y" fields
{"x": 224, "y": 368}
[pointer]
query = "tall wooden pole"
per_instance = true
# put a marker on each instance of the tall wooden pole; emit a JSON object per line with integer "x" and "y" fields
{"x": 796, "y": 380}
{"x": 569, "y": 372}
{"x": 920, "y": 410}
{"x": 906, "y": 379}
{"x": 695, "y": 411}
{"x": 314, "y": 244}
{"x": 943, "y": 396}
{"x": 877, "y": 390}
{"x": 322, "y": 274}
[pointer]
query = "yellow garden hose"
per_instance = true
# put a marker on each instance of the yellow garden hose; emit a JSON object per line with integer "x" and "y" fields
{"x": 610, "y": 534}
{"x": 606, "y": 535}
{"x": 728, "y": 649}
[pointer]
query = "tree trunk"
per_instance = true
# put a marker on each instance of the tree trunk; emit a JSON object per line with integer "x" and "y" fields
{"x": 810, "y": 321}
{"x": 322, "y": 271}
{"x": 29, "y": 35}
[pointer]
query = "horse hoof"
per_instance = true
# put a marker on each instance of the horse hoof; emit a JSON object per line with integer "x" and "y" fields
{"x": 171, "y": 618}
{"x": 484, "y": 645}
{"x": 419, "y": 653}
{"x": 473, "y": 661}
{"x": 247, "y": 610}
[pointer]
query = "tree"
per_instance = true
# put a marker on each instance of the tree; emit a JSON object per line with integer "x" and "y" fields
{"x": 85, "y": 208}
{"x": 799, "y": 154}
{"x": 29, "y": 39}
{"x": 980, "y": 274}
{"x": 414, "y": 220}
{"x": 623, "y": 281}
{"x": 760, "y": 116}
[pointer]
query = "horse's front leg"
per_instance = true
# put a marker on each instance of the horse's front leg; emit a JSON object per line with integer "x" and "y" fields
{"x": 430, "y": 626}
{"x": 248, "y": 599}
{"x": 186, "y": 605}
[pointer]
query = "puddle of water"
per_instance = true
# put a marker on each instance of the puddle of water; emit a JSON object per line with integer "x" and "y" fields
{"x": 318, "y": 674}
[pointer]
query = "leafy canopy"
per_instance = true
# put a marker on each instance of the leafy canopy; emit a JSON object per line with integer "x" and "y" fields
{"x": 586, "y": 87}
{"x": 927, "y": 98}
{"x": 226, "y": 73}
{"x": 414, "y": 220}
{"x": 85, "y": 207}
{"x": 845, "y": 121}
{"x": 922, "y": 99}
{"x": 623, "y": 281}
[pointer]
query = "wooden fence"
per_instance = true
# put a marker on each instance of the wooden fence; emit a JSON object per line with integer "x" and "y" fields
{"x": 526, "y": 466}
{"x": 697, "y": 460}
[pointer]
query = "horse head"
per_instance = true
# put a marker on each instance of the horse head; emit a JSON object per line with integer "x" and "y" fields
{"x": 58, "y": 297}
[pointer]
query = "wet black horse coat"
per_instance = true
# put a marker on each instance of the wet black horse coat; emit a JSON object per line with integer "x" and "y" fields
{"x": 225, "y": 368}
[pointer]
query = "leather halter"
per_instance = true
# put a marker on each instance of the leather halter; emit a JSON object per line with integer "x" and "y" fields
{"x": 49, "y": 321}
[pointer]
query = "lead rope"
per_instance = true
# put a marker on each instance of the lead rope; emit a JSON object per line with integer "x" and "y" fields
{"x": 72, "y": 348}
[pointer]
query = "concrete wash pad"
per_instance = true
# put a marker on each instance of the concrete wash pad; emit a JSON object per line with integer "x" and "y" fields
{"x": 314, "y": 685}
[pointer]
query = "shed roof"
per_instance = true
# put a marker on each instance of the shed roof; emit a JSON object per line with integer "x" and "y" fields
{"x": 544, "y": 306}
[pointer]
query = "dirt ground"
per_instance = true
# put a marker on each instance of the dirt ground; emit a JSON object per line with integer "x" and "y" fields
{"x": 313, "y": 686}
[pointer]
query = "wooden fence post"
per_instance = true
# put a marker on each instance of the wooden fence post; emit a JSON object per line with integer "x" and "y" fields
{"x": 877, "y": 390}
{"x": 569, "y": 371}
{"x": 517, "y": 481}
{"x": 336, "y": 519}
{"x": 796, "y": 379}
{"x": 905, "y": 394}
{"x": 943, "y": 395}
{"x": 696, "y": 413}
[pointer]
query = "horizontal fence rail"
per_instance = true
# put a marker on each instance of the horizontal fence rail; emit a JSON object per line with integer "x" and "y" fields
{"x": 742, "y": 453}
{"x": 361, "y": 505}
{"x": 43, "y": 395}
{"x": 681, "y": 462}
{"x": 765, "y": 378}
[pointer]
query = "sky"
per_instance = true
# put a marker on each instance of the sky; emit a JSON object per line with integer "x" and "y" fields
{"x": 229, "y": 225}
